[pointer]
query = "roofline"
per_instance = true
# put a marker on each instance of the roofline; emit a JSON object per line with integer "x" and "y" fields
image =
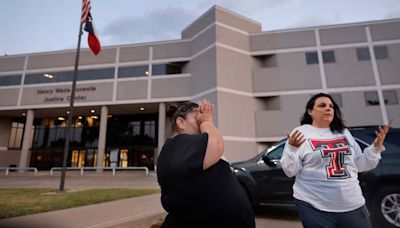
{"x": 105, "y": 47}
{"x": 225, "y": 10}
{"x": 329, "y": 26}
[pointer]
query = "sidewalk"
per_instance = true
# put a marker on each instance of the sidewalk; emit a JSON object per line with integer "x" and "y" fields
{"x": 133, "y": 212}
{"x": 140, "y": 212}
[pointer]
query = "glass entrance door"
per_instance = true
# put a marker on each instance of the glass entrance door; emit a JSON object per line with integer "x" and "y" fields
{"x": 123, "y": 158}
{"x": 78, "y": 158}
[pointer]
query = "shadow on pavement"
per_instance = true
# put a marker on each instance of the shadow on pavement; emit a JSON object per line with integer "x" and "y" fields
{"x": 279, "y": 213}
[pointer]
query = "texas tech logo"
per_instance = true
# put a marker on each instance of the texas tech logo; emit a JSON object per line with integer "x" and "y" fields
{"x": 336, "y": 150}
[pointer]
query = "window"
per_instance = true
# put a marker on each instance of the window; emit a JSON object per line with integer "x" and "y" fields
{"x": 371, "y": 98}
{"x": 270, "y": 103}
{"x": 389, "y": 96}
{"x": 150, "y": 131}
{"x": 133, "y": 71}
{"x": 311, "y": 58}
{"x": 266, "y": 61}
{"x": 276, "y": 153}
{"x": 363, "y": 54}
{"x": 41, "y": 78}
{"x": 10, "y": 80}
{"x": 17, "y": 131}
{"x": 328, "y": 56}
{"x": 51, "y": 77}
{"x": 381, "y": 52}
{"x": 106, "y": 73}
{"x": 168, "y": 68}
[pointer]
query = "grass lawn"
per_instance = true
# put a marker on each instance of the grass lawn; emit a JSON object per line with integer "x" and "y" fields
{"x": 17, "y": 202}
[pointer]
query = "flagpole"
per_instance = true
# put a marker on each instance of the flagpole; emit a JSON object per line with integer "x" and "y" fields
{"x": 71, "y": 111}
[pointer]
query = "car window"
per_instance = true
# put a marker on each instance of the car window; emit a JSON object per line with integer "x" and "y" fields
{"x": 276, "y": 153}
{"x": 362, "y": 144}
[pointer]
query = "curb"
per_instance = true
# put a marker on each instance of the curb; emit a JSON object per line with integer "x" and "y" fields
{"x": 145, "y": 220}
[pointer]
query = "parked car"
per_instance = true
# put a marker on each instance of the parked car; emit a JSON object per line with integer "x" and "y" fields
{"x": 266, "y": 184}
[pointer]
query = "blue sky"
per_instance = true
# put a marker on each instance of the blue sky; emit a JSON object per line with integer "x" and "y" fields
{"x": 29, "y": 26}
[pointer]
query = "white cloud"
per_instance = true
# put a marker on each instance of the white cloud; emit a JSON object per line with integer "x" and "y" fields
{"x": 393, "y": 14}
{"x": 314, "y": 20}
{"x": 248, "y": 7}
{"x": 159, "y": 24}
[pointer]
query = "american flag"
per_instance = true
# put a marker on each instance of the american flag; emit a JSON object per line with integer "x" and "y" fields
{"x": 85, "y": 10}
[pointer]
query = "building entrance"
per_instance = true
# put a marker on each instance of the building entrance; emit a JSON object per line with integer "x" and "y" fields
{"x": 130, "y": 141}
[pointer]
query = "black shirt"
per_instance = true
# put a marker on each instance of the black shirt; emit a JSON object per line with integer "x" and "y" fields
{"x": 194, "y": 197}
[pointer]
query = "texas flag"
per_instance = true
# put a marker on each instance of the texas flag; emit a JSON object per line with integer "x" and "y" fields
{"x": 93, "y": 38}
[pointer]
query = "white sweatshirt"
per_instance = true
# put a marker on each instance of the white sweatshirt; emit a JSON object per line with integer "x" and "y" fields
{"x": 326, "y": 167}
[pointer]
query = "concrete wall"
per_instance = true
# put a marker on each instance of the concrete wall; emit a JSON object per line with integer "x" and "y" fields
{"x": 385, "y": 31}
{"x": 236, "y": 115}
{"x": 235, "y": 20}
{"x": 275, "y": 123}
{"x": 281, "y": 40}
{"x": 134, "y": 53}
{"x": 199, "y": 24}
{"x": 129, "y": 90}
{"x": 394, "y": 111}
{"x": 203, "y": 72}
{"x": 347, "y": 70}
{"x": 389, "y": 69}
{"x": 232, "y": 38}
{"x": 11, "y": 63}
{"x": 203, "y": 41}
{"x": 342, "y": 35}
{"x": 9, "y": 157}
{"x": 239, "y": 151}
{"x": 34, "y": 96}
{"x": 9, "y": 97}
{"x": 171, "y": 50}
{"x": 291, "y": 72}
{"x": 223, "y": 16}
{"x": 65, "y": 59}
{"x": 356, "y": 112}
{"x": 170, "y": 87}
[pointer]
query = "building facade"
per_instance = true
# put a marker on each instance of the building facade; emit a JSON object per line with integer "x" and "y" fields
{"x": 258, "y": 80}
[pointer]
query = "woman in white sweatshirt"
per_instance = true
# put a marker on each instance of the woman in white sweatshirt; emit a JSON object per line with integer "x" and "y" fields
{"x": 325, "y": 159}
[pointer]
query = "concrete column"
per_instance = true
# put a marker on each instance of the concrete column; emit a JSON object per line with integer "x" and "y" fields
{"x": 102, "y": 137}
{"x": 26, "y": 141}
{"x": 161, "y": 130}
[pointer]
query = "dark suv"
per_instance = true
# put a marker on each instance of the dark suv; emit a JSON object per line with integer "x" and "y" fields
{"x": 266, "y": 184}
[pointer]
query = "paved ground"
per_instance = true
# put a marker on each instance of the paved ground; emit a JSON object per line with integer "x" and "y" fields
{"x": 142, "y": 210}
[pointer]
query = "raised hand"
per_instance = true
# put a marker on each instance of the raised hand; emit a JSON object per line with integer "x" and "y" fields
{"x": 380, "y": 135}
{"x": 296, "y": 139}
{"x": 206, "y": 110}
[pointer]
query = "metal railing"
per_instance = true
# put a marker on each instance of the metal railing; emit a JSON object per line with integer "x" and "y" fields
{"x": 101, "y": 168}
{"x": 19, "y": 168}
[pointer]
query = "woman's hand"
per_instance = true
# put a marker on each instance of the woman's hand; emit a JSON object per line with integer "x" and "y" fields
{"x": 206, "y": 110}
{"x": 380, "y": 135}
{"x": 296, "y": 139}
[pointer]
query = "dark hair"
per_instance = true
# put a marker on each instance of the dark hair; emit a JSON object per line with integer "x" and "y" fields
{"x": 337, "y": 124}
{"x": 182, "y": 110}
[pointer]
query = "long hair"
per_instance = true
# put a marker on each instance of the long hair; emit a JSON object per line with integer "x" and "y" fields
{"x": 182, "y": 110}
{"x": 337, "y": 124}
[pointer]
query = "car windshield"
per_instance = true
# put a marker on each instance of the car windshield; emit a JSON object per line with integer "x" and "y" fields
{"x": 275, "y": 151}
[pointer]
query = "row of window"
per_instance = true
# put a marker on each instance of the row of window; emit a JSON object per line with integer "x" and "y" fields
{"x": 371, "y": 98}
{"x": 122, "y": 131}
{"x": 362, "y": 55}
{"x": 94, "y": 74}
